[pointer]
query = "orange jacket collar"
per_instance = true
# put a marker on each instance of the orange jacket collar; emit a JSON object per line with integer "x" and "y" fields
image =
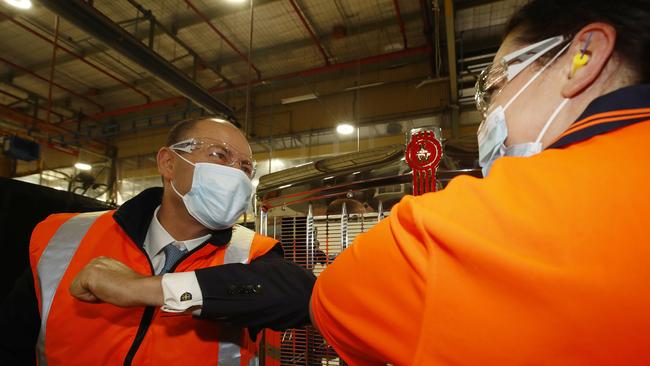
{"x": 618, "y": 109}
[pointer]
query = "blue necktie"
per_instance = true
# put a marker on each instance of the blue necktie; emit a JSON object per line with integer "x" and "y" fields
{"x": 172, "y": 255}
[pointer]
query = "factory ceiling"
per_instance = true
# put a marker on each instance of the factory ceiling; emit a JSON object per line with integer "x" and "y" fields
{"x": 74, "y": 67}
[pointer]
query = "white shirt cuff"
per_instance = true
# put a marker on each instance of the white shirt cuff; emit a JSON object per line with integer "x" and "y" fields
{"x": 181, "y": 292}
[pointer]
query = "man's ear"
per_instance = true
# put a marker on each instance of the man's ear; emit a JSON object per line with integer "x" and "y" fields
{"x": 599, "y": 40}
{"x": 165, "y": 160}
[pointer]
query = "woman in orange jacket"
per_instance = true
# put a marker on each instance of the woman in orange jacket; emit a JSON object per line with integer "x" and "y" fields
{"x": 545, "y": 261}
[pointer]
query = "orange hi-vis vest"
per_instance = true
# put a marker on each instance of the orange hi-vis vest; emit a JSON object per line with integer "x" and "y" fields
{"x": 77, "y": 333}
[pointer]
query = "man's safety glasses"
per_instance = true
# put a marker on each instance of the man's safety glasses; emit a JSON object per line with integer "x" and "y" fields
{"x": 495, "y": 77}
{"x": 217, "y": 152}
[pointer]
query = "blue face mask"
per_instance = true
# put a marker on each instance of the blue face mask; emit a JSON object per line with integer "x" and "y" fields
{"x": 219, "y": 195}
{"x": 493, "y": 132}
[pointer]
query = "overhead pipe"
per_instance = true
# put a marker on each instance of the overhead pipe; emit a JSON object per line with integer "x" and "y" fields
{"x": 400, "y": 21}
{"x": 307, "y": 26}
{"x": 99, "y": 26}
{"x": 77, "y": 56}
{"x": 225, "y": 39}
{"x": 140, "y": 107}
{"x": 304, "y": 73}
{"x": 39, "y": 77}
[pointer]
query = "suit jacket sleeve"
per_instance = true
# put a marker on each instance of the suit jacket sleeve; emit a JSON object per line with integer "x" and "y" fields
{"x": 270, "y": 292}
{"x": 20, "y": 321}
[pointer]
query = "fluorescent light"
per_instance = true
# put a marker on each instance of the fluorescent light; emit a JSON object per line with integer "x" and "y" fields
{"x": 284, "y": 186}
{"x": 345, "y": 129}
{"x": 277, "y": 164}
{"x": 219, "y": 120}
{"x": 83, "y": 166}
{"x": 393, "y": 47}
{"x": 425, "y": 82}
{"x": 20, "y": 4}
{"x": 356, "y": 87}
{"x": 300, "y": 98}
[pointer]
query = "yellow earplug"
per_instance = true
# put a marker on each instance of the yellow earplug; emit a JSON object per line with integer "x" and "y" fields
{"x": 579, "y": 60}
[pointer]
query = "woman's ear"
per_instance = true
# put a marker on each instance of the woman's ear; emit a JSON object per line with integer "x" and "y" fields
{"x": 597, "y": 41}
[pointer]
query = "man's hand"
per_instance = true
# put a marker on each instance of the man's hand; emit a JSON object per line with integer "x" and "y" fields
{"x": 108, "y": 280}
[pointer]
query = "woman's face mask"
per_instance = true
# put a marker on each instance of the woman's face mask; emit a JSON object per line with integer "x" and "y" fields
{"x": 493, "y": 132}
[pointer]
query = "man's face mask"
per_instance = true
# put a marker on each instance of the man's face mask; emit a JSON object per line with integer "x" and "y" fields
{"x": 220, "y": 192}
{"x": 493, "y": 132}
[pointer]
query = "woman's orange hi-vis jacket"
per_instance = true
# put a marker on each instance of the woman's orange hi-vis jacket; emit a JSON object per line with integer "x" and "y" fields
{"x": 544, "y": 262}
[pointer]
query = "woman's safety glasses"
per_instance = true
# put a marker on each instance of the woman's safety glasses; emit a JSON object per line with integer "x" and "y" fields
{"x": 495, "y": 77}
{"x": 217, "y": 152}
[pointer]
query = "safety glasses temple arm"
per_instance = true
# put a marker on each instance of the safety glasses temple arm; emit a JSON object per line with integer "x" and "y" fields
{"x": 529, "y": 54}
{"x": 185, "y": 145}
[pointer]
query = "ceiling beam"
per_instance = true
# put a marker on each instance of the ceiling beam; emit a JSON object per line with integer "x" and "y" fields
{"x": 326, "y": 38}
{"x": 17, "y": 67}
{"x": 427, "y": 29}
{"x": 99, "y": 26}
{"x": 310, "y": 31}
{"x": 156, "y": 24}
{"x": 400, "y": 21}
{"x": 465, "y": 4}
{"x": 304, "y": 73}
{"x": 142, "y": 33}
{"x": 261, "y": 53}
{"x": 208, "y": 22}
{"x": 29, "y": 123}
{"x": 77, "y": 56}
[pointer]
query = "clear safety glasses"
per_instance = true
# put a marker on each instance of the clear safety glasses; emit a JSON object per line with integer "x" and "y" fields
{"x": 495, "y": 77}
{"x": 217, "y": 152}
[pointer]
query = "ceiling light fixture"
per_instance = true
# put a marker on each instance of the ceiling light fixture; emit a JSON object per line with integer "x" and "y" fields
{"x": 83, "y": 166}
{"x": 20, "y": 4}
{"x": 370, "y": 85}
{"x": 300, "y": 98}
{"x": 345, "y": 129}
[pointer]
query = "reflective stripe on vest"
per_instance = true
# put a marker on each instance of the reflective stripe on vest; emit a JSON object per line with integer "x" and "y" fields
{"x": 238, "y": 251}
{"x": 54, "y": 262}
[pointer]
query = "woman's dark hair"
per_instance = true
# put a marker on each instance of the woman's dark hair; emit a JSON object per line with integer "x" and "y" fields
{"x": 541, "y": 19}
